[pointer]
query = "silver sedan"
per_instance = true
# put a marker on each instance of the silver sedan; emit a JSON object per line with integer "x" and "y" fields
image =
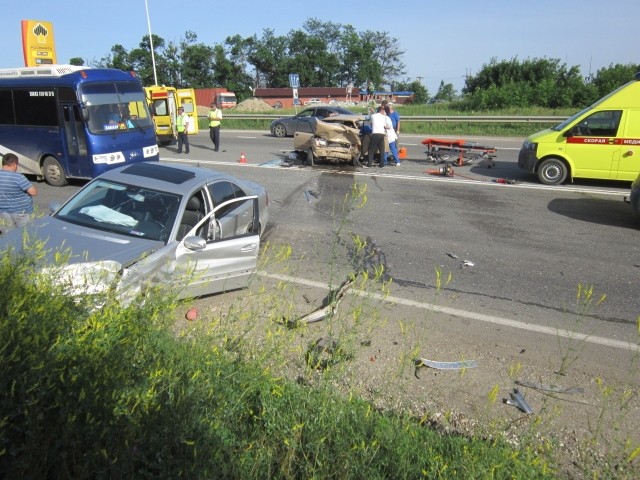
{"x": 191, "y": 228}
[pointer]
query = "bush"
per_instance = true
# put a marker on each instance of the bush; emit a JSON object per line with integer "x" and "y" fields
{"x": 114, "y": 393}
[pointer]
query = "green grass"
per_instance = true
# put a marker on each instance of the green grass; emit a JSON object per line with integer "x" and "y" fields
{"x": 119, "y": 393}
{"x": 427, "y": 128}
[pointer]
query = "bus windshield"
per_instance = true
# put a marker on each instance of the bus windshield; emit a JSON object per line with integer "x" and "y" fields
{"x": 115, "y": 107}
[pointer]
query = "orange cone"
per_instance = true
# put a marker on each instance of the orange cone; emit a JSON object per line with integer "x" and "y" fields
{"x": 243, "y": 159}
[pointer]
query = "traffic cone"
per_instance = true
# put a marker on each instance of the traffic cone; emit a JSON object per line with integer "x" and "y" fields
{"x": 243, "y": 159}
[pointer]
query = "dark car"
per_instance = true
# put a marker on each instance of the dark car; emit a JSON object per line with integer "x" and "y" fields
{"x": 287, "y": 126}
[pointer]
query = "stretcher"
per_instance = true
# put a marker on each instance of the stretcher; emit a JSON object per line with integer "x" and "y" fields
{"x": 457, "y": 152}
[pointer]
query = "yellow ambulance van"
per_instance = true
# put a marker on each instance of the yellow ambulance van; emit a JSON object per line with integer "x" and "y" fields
{"x": 600, "y": 142}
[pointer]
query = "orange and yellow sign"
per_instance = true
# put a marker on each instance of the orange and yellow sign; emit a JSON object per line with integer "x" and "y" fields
{"x": 38, "y": 45}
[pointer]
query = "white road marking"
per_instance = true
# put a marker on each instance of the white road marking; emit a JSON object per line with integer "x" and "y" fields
{"x": 506, "y": 322}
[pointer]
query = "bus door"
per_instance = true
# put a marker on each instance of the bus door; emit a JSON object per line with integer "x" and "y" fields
{"x": 78, "y": 164}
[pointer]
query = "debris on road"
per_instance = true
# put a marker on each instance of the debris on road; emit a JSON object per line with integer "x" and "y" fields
{"x": 549, "y": 388}
{"x": 328, "y": 308}
{"x": 423, "y": 362}
{"x": 517, "y": 400}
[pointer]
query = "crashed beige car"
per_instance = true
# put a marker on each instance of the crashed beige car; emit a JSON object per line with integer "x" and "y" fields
{"x": 334, "y": 139}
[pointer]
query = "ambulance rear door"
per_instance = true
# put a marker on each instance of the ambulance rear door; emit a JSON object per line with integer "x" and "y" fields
{"x": 629, "y": 165}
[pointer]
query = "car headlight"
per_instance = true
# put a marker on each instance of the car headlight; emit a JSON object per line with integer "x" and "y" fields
{"x": 87, "y": 278}
{"x": 321, "y": 142}
{"x": 527, "y": 145}
{"x": 109, "y": 158}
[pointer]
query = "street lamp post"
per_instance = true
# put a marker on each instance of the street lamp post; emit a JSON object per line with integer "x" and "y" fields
{"x": 153, "y": 57}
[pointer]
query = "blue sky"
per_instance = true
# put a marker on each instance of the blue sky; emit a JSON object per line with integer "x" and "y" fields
{"x": 441, "y": 40}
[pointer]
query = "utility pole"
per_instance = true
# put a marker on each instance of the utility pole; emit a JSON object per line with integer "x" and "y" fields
{"x": 153, "y": 57}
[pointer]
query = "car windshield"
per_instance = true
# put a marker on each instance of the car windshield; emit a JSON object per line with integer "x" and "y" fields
{"x": 125, "y": 209}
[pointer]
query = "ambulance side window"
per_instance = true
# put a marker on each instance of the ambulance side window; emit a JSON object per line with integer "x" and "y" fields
{"x": 599, "y": 124}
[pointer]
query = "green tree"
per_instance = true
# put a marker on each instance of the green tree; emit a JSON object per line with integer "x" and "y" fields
{"x": 196, "y": 62}
{"x": 446, "y": 92}
{"x": 609, "y": 78}
{"x": 77, "y": 61}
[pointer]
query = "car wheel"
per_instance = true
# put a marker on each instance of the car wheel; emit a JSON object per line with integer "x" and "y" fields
{"x": 53, "y": 172}
{"x": 310, "y": 160}
{"x": 279, "y": 130}
{"x": 553, "y": 171}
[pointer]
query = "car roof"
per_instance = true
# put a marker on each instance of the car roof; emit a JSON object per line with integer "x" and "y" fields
{"x": 168, "y": 178}
{"x": 343, "y": 117}
{"x": 340, "y": 110}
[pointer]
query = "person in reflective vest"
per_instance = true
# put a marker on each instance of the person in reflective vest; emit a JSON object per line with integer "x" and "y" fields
{"x": 182, "y": 126}
{"x": 214, "y": 116}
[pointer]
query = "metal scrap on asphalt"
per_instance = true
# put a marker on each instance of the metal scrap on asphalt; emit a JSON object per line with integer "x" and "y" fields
{"x": 423, "y": 362}
{"x": 328, "y": 308}
{"x": 517, "y": 400}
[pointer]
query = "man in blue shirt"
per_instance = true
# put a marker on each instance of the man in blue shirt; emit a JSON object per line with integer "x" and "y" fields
{"x": 16, "y": 192}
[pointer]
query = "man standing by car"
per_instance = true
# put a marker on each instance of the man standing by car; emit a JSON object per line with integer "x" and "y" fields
{"x": 182, "y": 125}
{"x": 214, "y": 116}
{"x": 378, "y": 134}
{"x": 16, "y": 192}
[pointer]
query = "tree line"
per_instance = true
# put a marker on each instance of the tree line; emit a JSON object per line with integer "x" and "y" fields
{"x": 328, "y": 54}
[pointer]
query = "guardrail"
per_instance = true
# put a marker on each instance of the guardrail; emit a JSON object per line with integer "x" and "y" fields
{"x": 430, "y": 118}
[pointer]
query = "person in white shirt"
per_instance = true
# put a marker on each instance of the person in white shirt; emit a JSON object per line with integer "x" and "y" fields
{"x": 378, "y": 133}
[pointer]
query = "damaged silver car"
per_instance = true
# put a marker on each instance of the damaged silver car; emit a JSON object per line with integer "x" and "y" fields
{"x": 335, "y": 139}
{"x": 192, "y": 229}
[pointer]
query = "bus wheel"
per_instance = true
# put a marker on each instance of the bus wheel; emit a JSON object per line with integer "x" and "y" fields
{"x": 553, "y": 171}
{"x": 53, "y": 172}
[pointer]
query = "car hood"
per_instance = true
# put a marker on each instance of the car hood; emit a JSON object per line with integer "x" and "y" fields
{"x": 81, "y": 243}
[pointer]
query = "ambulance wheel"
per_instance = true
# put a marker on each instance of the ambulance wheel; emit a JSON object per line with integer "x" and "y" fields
{"x": 553, "y": 171}
{"x": 53, "y": 172}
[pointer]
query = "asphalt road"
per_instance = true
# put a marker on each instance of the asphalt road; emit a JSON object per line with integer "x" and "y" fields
{"x": 529, "y": 248}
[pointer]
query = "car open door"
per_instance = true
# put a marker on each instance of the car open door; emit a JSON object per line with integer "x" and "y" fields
{"x": 215, "y": 263}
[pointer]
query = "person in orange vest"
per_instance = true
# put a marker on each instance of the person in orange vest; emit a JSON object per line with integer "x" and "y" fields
{"x": 182, "y": 126}
{"x": 214, "y": 116}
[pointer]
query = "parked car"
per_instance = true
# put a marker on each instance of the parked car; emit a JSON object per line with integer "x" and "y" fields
{"x": 152, "y": 224}
{"x": 335, "y": 139}
{"x": 313, "y": 101}
{"x": 287, "y": 126}
{"x": 634, "y": 196}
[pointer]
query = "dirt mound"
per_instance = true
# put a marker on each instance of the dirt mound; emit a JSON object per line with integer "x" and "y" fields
{"x": 253, "y": 105}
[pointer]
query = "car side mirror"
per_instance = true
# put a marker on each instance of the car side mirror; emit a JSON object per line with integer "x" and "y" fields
{"x": 195, "y": 243}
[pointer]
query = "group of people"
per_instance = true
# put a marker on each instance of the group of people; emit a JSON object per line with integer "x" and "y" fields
{"x": 385, "y": 131}
{"x": 182, "y": 127}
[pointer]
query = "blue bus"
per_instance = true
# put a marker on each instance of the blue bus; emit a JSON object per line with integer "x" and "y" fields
{"x": 64, "y": 121}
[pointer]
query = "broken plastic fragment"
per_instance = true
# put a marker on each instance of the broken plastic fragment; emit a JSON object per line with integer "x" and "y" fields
{"x": 452, "y": 255}
{"x": 446, "y": 365}
{"x": 517, "y": 400}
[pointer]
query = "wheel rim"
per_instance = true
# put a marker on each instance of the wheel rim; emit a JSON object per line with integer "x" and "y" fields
{"x": 279, "y": 130}
{"x": 53, "y": 172}
{"x": 552, "y": 172}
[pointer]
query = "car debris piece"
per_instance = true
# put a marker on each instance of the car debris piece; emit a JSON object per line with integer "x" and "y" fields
{"x": 328, "y": 308}
{"x": 517, "y": 400}
{"x": 549, "y": 388}
{"x": 452, "y": 255}
{"x": 423, "y": 362}
{"x": 467, "y": 263}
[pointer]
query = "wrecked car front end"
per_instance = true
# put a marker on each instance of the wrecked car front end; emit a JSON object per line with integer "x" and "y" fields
{"x": 330, "y": 141}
